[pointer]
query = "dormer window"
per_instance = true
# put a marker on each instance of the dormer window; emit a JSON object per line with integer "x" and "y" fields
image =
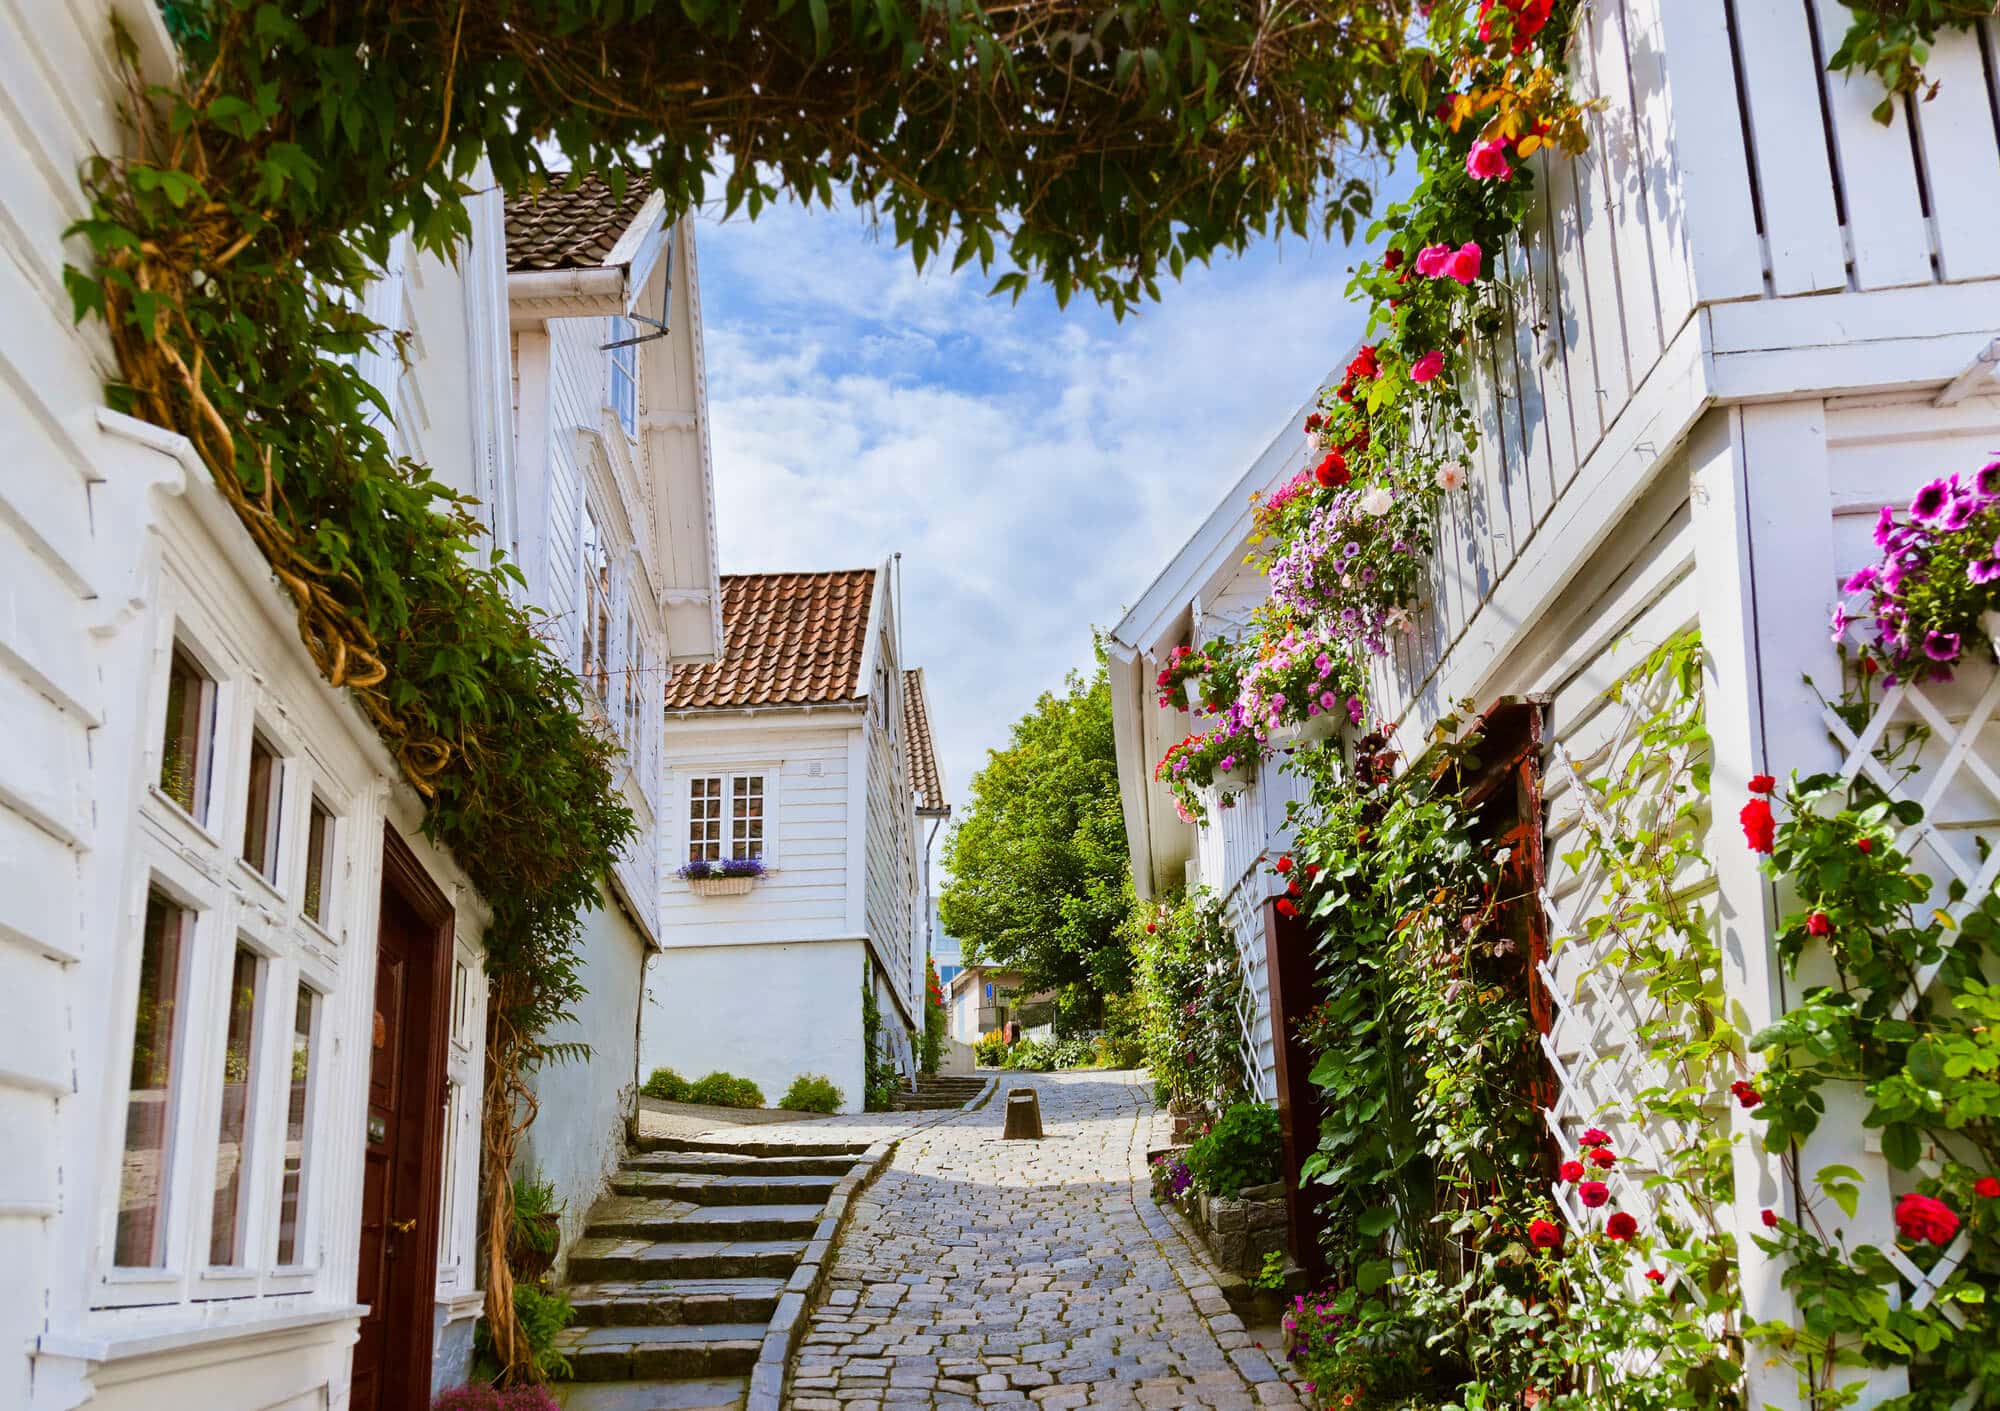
{"x": 625, "y": 375}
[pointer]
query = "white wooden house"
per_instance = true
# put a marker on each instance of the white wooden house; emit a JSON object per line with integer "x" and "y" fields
{"x": 799, "y": 749}
{"x": 610, "y": 513}
{"x": 239, "y": 984}
{"x": 1745, "y": 320}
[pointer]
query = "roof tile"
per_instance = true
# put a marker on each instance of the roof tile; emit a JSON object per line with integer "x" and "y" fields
{"x": 560, "y": 229}
{"x": 925, "y": 781}
{"x": 787, "y": 639}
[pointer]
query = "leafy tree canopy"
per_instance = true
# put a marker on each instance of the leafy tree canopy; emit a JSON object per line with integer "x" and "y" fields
{"x": 1039, "y": 871}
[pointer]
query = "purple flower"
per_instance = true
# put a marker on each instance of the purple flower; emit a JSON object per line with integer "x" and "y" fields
{"x": 1960, "y": 512}
{"x": 1930, "y": 501}
{"x": 1350, "y": 550}
{"x": 1941, "y": 646}
{"x": 1354, "y": 709}
{"x": 1885, "y": 528}
{"x": 1401, "y": 546}
{"x": 1861, "y": 579}
{"x": 1840, "y": 620}
{"x": 1983, "y": 570}
{"x": 1987, "y": 481}
{"x": 1350, "y": 614}
{"x": 1326, "y": 700}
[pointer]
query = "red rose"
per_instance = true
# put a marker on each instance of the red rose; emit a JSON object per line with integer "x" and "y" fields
{"x": 1293, "y": 889}
{"x": 1594, "y": 1136}
{"x": 1286, "y": 908}
{"x": 1331, "y": 473}
{"x": 1758, "y": 826}
{"x": 1920, "y": 1218}
{"x": 1987, "y": 1187}
{"x": 1656, "y": 1276}
{"x": 1314, "y": 422}
{"x": 1762, "y": 783}
{"x": 1866, "y": 844}
{"x": 1593, "y": 1193}
{"x": 1392, "y": 258}
{"x": 1602, "y": 1157}
{"x": 1571, "y": 1171}
{"x": 1312, "y": 869}
{"x": 1284, "y": 864}
{"x": 1150, "y": 928}
{"x": 1746, "y": 1094}
{"x": 1770, "y": 1218}
{"x": 1364, "y": 363}
{"x": 1621, "y": 1226}
{"x": 1819, "y": 924}
{"x": 1545, "y": 1234}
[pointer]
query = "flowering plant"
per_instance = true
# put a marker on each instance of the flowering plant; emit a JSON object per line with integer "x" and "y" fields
{"x": 1358, "y": 564}
{"x": 1204, "y": 756}
{"x": 1214, "y": 664}
{"x": 1300, "y": 674}
{"x": 1939, "y": 574}
{"x": 703, "y": 869}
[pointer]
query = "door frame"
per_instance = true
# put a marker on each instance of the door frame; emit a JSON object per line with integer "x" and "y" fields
{"x": 409, "y": 1364}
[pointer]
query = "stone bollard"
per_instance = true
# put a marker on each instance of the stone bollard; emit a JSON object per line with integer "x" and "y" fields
{"x": 1024, "y": 1116}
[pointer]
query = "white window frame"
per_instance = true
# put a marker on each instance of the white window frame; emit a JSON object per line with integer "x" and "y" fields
{"x": 621, "y": 373}
{"x": 729, "y": 773}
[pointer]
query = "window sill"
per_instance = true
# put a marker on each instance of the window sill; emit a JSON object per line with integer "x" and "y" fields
{"x": 126, "y": 1343}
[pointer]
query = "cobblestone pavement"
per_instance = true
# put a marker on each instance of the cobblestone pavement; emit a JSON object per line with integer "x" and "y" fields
{"x": 983, "y": 1272}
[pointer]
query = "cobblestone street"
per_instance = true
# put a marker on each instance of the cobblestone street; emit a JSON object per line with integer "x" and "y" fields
{"x": 983, "y": 1272}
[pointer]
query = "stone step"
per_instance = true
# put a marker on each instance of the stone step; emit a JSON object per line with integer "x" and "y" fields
{"x": 699, "y": 1189}
{"x": 772, "y": 1148}
{"x": 720, "y": 1163}
{"x": 657, "y": 1302}
{"x": 638, "y": 1218}
{"x": 618, "y": 1354}
{"x": 593, "y": 1261}
{"x": 708, "y": 1394}
{"x": 925, "y": 1104}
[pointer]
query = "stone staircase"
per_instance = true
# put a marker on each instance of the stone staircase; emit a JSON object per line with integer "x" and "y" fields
{"x": 935, "y": 1094}
{"x": 681, "y": 1268}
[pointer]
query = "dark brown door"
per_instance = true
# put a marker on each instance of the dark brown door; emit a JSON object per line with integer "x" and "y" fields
{"x": 400, "y": 1183}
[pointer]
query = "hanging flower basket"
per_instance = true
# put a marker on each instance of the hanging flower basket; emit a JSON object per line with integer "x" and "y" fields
{"x": 1313, "y": 730}
{"x": 720, "y": 886}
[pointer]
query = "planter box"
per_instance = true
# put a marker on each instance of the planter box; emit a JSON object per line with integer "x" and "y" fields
{"x": 720, "y": 886}
{"x": 1312, "y": 731}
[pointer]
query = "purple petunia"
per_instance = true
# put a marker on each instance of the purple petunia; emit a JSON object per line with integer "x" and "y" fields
{"x": 1987, "y": 481}
{"x": 1861, "y": 579}
{"x": 1929, "y": 503}
{"x": 1983, "y": 570}
{"x": 1941, "y": 646}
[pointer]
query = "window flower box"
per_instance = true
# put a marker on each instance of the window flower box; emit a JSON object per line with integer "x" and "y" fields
{"x": 722, "y": 877}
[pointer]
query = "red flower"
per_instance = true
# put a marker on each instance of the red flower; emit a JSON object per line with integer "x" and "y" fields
{"x": 1594, "y": 1136}
{"x": 1392, "y": 258}
{"x": 1987, "y": 1187}
{"x": 1819, "y": 924}
{"x": 1656, "y": 1276}
{"x": 1286, "y": 907}
{"x": 1621, "y": 1226}
{"x": 1312, "y": 870}
{"x": 1314, "y": 422}
{"x": 1745, "y": 1093}
{"x": 1571, "y": 1171}
{"x": 1770, "y": 1219}
{"x": 1762, "y": 783}
{"x": 1150, "y": 928}
{"x": 1293, "y": 889}
{"x": 1545, "y": 1234}
{"x": 1602, "y": 1157}
{"x": 1593, "y": 1193}
{"x": 1283, "y": 864}
{"x": 1331, "y": 473}
{"x": 1866, "y": 844}
{"x": 1920, "y": 1218}
{"x": 1364, "y": 363}
{"x": 1757, "y": 823}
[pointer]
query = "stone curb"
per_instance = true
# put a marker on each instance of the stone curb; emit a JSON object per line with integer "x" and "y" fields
{"x": 786, "y": 1329}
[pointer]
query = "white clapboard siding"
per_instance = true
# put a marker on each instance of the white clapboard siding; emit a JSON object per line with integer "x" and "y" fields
{"x": 1888, "y": 234}
{"x": 1781, "y": 88}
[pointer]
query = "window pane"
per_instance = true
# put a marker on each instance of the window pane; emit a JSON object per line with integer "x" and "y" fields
{"x": 149, "y": 1110}
{"x": 319, "y": 862}
{"x": 262, "y": 816}
{"x": 746, "y": 835}
{"x": 704, "y": 820}
{"x": 184, "y": 756}
{"x": 292, "y": 1182}
{"x": 225, "y": 1231}
{"x": 625, "y": 376}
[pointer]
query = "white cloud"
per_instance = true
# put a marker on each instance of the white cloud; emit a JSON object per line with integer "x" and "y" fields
{"x": 1035, "y": 468}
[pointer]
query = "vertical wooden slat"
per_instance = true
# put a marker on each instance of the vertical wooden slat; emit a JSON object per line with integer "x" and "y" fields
{"x": 1516, "y": 465}
{"x": 1781, "y": 84}
{"x": 1573, "y": 309}
{"x": 1622, "y": 167}
{"x": 1600, "y": 282}
{"x": 1497, "y": 539}
{"x": 1962, "y": 158}
{"x": 1885, "y": 216}
{"x": 1546, "y": 276}
{"x": 1530, "y": 406}
{"x": 1713, "y": 174}
{"x": 1660, "y": 179}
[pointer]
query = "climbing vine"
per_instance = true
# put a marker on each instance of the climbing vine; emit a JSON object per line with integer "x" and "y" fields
{"x": 1187, "y": 982}
{"x": 1892, "y": 39}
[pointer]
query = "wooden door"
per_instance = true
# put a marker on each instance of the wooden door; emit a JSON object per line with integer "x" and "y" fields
{"x": 404, "y": 1164}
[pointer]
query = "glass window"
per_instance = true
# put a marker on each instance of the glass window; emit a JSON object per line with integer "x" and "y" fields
{"x": 264, "y": 812}
{"x": 633, "y": 679}
{"x": 292, "y": 1176}
{"x": 232, "y": 1149}
{"x": 704, "y": 820}
{"x": 141, "y": 1240}
{"x": 596, "y": 609}
{"x": 189, "y": 736}
{"x": 318, "y": 903}
{"x": 625, "y": 376}
{"x": 746, "y": 816}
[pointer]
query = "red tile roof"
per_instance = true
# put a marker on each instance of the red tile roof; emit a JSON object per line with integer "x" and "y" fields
{"x": 787, "y": 639}
{"x": 924, "y": 780}
{"x": 559, "y": 229}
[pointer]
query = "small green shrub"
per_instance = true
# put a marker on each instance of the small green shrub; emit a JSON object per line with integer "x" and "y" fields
{"x": 666, "y": 1085}
{"x": 1027, "y": 1056}
{"x": 990, "y": 1052}
{"x": 1243, "y": 1148}
{"x": 543, "y": 1313}
{"x": 725, "y": 1090}
{"x": 810, "y": 1092}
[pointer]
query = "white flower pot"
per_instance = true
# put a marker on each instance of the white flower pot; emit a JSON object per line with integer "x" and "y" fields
{"x": 1990, "y": 623}
{"x": 1313, "y": 730}
{"x": 720, "y": 886}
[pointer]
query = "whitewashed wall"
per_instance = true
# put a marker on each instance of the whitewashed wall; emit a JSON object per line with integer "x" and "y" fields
{"x": 892, "y": 889}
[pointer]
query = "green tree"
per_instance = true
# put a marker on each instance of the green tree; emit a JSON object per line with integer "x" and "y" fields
{"x": 1039, "y": 872}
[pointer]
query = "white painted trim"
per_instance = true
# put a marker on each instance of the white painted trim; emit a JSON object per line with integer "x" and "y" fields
{"x": 644, "y": 225}
{"x": 871, "y": 638}
{"x": 857, "y": 828}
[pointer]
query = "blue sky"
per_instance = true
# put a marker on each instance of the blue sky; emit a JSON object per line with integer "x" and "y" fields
{"x": 1035, "y": 467}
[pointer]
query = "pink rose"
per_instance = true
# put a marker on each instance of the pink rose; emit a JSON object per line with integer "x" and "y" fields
{"x": 1427, "y": 367}
{"x": 1431, "y": 260}
{"x": 1465, "y": 262}
{"x": 1487, "y": 161}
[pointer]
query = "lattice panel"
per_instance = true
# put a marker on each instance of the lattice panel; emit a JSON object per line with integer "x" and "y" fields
{"x": 1938, "y": 744}
{"x": 1246, "y": 930}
